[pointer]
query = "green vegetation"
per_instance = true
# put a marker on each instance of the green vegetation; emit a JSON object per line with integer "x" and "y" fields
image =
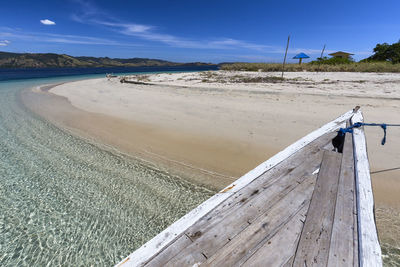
{"x": 315, "y": 66}
{"x": 332, "y": 61}
{"x": 386, "y": 58}
{"x": 385, "y": 52}
{"x": 48, "y": 60}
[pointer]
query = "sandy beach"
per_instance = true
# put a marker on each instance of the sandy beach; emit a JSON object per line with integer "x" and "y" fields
{"x": 213, "y": 127}
{"x": 217, "y": 129}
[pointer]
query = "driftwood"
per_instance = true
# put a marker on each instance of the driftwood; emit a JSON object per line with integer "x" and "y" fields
{"x": 124, "y": 79}
{"x": 109, "y": 76}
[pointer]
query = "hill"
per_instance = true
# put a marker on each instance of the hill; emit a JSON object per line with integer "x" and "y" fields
{"x": 50, "y": 60}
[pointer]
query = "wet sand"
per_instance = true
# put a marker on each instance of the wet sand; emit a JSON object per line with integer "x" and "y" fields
{"x": 210, "y": 160}
{"x": 213, "y": 132}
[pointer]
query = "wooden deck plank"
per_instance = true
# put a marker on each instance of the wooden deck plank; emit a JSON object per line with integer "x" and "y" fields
{"x": 187, "y": 260}
{"x": 247, "y": 205}
{"x": 261, "y": 231}
{"x": 314, "y": 242}
{"x": 252, "y": 203}
{"x": 342, "y": 240}
{"x": 215, "y": 238}
{"x": 182, "y": 242}
{"x": 259, "y": 219}
{"x": 280, "y": 249}
{"x": 255, "y": 198}
{"x": 263, "y": 181}
{"x": 156, "y": 245}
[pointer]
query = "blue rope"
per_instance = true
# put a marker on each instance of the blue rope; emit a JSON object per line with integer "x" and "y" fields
{"x": 343, "y": 131}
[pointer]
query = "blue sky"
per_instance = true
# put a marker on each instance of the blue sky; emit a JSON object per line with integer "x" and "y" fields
{"x": 208, "y": 31}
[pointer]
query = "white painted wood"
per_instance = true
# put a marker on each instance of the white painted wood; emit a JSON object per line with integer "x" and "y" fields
{"x": 162, "y": 240}
{"x": 369, "y": 249}
{"x": 341, "y": 250}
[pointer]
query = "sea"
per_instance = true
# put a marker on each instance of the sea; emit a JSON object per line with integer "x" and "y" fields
{"x": 66, "y": 201}
{"x": 13, "y": 74}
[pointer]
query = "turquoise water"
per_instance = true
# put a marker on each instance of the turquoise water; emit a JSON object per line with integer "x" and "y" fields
{"x": 12, "y": 74}
{"x": 64, "y": 201}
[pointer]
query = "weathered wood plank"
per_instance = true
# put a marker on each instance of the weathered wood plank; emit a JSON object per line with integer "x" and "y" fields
{"x": 329, "y": 146}
{"x": 261, "y": 231}
{"x": 266, "y": 180}
{"x": 280, "y": 248}
{"x": 281, "y": 178}
{"x": 355, "y": 232}
{"x": 369, "y": 249}
{"x": 247, "y": 205}
{"x": 314, "y": 242}
{"x": 342, "y": 248}
{"x": 169, "y": 235}
{"x": 253, "y": 203}
{"x": 194, "y": 259}
{"x": 170, "y": 251}
{"x": 289, "y": 263}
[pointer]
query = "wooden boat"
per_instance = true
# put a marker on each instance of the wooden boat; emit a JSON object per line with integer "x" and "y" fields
{"x": 306, "y": 206}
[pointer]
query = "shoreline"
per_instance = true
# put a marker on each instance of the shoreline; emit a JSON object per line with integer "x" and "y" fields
{"x": 59, "y": 187}
{"x": 213, "y": 136}
{"x": 76, "y": 121}
{"x": 196, "y": 130}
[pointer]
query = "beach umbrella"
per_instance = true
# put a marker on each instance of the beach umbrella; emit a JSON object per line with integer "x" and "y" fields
{"x": 300, "y": 57}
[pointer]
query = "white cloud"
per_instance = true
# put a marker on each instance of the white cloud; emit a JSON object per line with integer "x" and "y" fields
{"x": 4, "y": 42}
{"x": 232, "y": 43}
{"x": 78, "y": 39}
{"x": 47, "y": 22}
{"x": 129, "y": 27}
{"x": 147, "y": 32}
{"x": 90, "y": 14}
{"x": 57, "y": 38}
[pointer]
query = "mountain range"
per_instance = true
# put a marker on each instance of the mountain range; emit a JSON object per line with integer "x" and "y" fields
{"x": 50, "y": 60}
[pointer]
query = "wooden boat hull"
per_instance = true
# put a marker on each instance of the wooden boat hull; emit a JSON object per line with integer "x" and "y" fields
{"x": 296, "y": 208}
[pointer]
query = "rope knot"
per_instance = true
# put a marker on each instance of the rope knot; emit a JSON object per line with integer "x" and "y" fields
{"x": 343, "y": 131}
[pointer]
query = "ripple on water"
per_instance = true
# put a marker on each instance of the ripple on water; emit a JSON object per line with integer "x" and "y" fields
{"x": 388, "y": 223}
{"x": 63, "y": 200}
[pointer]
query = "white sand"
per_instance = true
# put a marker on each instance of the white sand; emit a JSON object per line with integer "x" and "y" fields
{"x": 381, "y": 85}
{"x": 249, "y": 121}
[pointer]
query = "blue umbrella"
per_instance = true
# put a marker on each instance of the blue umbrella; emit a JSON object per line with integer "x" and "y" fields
{"x": 300, "y": 57}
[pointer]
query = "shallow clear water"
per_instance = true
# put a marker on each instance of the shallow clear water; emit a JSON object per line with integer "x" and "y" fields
{"x": 65, "y": 201}
{"x": 388, "y": 222}
{"x": 12, "y": 74}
